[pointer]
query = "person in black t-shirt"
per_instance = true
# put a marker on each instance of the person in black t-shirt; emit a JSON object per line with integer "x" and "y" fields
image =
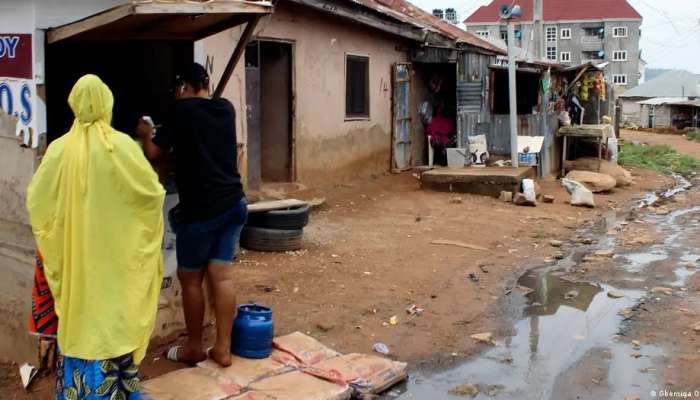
{"x": 208, "y": 220}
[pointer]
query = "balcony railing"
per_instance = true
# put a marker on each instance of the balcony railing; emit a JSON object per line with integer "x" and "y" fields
{"x": 591, "y": 39}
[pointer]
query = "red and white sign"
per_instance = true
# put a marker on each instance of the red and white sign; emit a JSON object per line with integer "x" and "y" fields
{"x": 16, "y": 55}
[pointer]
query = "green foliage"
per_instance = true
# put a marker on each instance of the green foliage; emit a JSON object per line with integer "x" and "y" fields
{"x": 659, "y": 158}
{"x": 694, "y": 136}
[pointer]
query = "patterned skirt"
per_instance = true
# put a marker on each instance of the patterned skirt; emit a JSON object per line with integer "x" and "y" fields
{"x": 114, "y": 379}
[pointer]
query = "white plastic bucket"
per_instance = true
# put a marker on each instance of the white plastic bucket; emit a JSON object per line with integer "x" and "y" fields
{"x": 457, "y": 157}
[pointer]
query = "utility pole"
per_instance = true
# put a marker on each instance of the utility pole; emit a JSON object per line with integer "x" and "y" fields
{"x": 538, "y": 29}
{"x": 512, "y": 93}
{"x": 507, "y": 14}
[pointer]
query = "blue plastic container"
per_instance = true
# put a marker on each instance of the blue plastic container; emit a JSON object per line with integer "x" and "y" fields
{"x": 253, "y": 331}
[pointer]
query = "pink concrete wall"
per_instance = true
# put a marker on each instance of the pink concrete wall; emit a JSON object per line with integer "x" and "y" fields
{"x": 328, "y": 147}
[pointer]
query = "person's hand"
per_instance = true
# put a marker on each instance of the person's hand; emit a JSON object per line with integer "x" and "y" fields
{"x": 144, "y": 129}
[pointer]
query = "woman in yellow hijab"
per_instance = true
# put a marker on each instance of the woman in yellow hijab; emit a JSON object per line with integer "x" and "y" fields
{"x": 95, "y": 206}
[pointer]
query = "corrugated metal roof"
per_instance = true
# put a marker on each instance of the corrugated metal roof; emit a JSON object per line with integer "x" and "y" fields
{"x": 670, "y": 84}
{"x": 406, "y": 12}
{"x": 522, "y": 55}
{"x": 560, "y": 10}
{"x": 657, "y": 101}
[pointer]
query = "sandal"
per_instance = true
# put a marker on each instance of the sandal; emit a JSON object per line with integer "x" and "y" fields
{"x": 173, "y": 354}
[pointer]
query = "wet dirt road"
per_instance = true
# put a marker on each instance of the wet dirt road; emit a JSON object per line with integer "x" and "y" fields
{"x": 576, "y": 319}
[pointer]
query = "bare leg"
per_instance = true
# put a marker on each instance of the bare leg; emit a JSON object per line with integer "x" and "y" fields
{"x": 221, "y": 278}
{"x": 193, "y": 302}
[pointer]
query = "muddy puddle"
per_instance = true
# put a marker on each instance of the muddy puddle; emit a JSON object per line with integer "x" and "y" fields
{"x": 569, "y": 342}
{"x": 563, "y": 322}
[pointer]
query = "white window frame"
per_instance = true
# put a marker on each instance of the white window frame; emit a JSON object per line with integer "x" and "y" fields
{"x": 619, "y": 55}
{"x": 551, "y": 53}
{"x": 565, "y": 56}
{"x": 483, "y": 34}
{"x": 619, "y": 79}
{"x": 553, "y": 35}
{"x": 566, "y": 36}
{"x": 616, "y": 29}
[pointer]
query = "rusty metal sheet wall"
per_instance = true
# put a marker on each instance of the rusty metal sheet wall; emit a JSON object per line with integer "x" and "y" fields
{"x": 498, "y": 137}
{"x": 473, "y": 112}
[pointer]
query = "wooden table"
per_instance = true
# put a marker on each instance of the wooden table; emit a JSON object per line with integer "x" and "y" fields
{"x": 598, "y": 132}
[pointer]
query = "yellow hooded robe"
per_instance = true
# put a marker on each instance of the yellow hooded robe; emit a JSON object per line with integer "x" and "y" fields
{"x": 95, "y": 206}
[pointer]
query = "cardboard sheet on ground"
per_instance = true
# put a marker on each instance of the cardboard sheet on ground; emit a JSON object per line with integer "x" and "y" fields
{"x": 190, "y": 384}
{"x": 244, "y": 371}
{"x": 298, "y": 385}
{"x": 306, "y": 349}
{"x": 366, "y": 373}
{"x": 253, "y": 395}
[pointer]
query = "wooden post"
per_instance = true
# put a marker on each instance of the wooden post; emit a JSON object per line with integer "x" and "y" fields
{"x": 237, "y": 53}
{"x": 563, "y": 156}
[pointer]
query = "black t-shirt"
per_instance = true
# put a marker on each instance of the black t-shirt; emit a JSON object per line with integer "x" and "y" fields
{"x": 202, "y": 135}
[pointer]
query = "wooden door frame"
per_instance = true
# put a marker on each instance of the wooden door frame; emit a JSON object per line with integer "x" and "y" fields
{"x": 292, "y": 151}
{"x": 394, "y": 80}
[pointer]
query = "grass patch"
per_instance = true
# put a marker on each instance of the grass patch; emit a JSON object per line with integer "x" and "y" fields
{"x": 694, "y": 136}
{"x": 659, "y": 158}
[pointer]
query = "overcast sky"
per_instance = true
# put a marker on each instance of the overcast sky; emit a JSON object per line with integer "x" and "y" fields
{"x": 670, "y": 32}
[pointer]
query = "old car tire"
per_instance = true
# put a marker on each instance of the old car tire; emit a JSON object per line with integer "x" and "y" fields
{"x": 295, "y": 218}
{"x": 265, "y": 239}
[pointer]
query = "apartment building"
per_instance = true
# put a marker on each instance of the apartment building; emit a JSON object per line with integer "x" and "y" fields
{"x": 571, "y": 32}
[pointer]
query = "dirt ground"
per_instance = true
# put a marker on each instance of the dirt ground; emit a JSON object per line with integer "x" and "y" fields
{"x": 677, "y": 141}
{"x": 368, "y": 256}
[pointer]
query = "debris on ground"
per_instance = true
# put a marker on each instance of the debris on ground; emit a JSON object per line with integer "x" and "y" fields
{"x": 414, "y": 310}
{"x": 492, "y": 390}
{"x": 604, "y": 253}
{"x": 636, "y": 345}
{"x": 484, "y": 268}
{"x": 524, "y": 290}
{"x": 394, "y": 320}
{"x": 458, "y": 244}
{"x": 593, "y": 181}
{"x": 455, "y": 200}
{"x": 696, "y": 328}
{"x": 465, "y": 390}
{"x": 323, "y": 327}
{"x": 296, "y": 253}
{"x": 506, "y": 196}
{"x": 473, "y": 277}
{"x": 486, "y": 337}
{"x": 636, "y": 355}
{"x": 381, "y": 348}
{"x": 556, "y": 243}
{"x": 530, "y": 191}
{"x": 522, "y": 200}
{"x": 615, "y": 294}
{"x": 317, "y": 203}
{"x": 27, "y": 373}
{"x": 689, "y": 265}
{"x": 580, "y": 195}
{"x": 571, "y": 294}
{"x": 664, "y": 290}
{"x": 625, "y": 312}
{"x": 548, "y": 198}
